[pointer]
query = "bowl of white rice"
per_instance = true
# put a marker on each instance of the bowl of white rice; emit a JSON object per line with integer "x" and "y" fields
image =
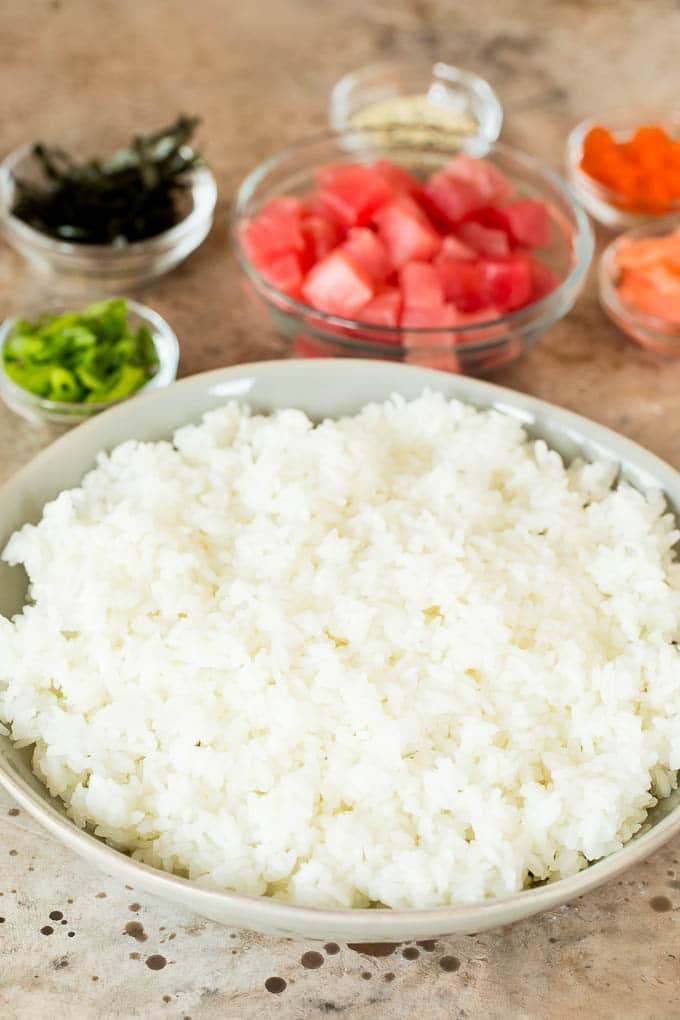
{"x": 344, "y": 649}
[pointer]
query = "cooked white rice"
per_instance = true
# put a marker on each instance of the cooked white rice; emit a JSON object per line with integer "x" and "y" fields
{"x": 403, "y": 658}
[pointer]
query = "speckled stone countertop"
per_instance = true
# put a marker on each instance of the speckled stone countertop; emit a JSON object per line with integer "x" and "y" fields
{"x": 77, "y": 944}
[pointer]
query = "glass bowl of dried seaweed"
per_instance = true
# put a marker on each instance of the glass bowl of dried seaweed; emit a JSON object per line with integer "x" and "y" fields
{"x": 108, "y": 224}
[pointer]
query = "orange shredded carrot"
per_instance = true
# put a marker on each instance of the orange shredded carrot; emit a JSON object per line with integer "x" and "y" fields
{"x": 643, "y": 171}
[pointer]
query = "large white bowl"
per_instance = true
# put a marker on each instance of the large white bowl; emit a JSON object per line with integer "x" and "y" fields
{"x": 324, "y": 388}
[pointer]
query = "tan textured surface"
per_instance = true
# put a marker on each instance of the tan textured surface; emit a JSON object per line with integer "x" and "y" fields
{"x": 87, "y": 71}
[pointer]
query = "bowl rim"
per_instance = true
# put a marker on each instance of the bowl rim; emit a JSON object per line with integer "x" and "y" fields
{"x": 356, "y": 922}
{"x": 582, "y": 243}
{"x": 200, "y": 178}
{"x": 168, "y": 360}
{"x": 616, "y": 309}
{"x": 450, "y": 72}
{"x": 617, "y": 202}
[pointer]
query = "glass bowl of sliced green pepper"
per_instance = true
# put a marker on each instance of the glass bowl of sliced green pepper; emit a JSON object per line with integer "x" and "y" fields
{"x": 63, "y": 365}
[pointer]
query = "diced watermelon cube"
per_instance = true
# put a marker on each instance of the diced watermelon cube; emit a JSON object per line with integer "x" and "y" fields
{"x": 316, "y": 205}
{"x": 284, "y": 273}
{"x": 528, "y": 222}
{"x": 421, "y": 286}
{"x": 406, "y": 231}
{"x": 453, "y": 247}
{"x": 274, "y": 231}
{"x": 486, "y": 314}
{"x": 394, "y": 175}
{"x": 487, "y": 180}
{"x": 337, "y": 286}
{"x": 366, "y": 249}
{"x": 507, "y": 281}
{"x": 543, "y": 280}
{"x": 462, "y": 282}
{"x": 449, "y": 199}
{"x": 353, "y": 191}
{"x": 491, "y": 216}
{"x": 484, "y": 240}
{"x": 429, "y": 318}
{"x": 382, "y": 310}
{"x": 284, "y": 205}
{"x": 321, "y": 236}
{"x": 431, "y": 350}
{"x": 501, "y": 283}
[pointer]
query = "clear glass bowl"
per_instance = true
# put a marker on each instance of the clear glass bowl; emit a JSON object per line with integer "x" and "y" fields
{"x": 447, "y": 87}
{"x": 102, "y": 268}
{"x": 606, "y": 205}
{"x": 656, "y": 334}
{"x": 56, "y": 412}
{"x": 472, "y": 348}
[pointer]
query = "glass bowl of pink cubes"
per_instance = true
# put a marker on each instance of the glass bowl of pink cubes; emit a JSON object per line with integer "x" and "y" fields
{"x": 453, "y": 257}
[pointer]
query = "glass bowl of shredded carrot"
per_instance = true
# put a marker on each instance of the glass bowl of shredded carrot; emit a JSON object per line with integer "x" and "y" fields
{"x": 625, "y": 168}
{"x": 639, "y": 280}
